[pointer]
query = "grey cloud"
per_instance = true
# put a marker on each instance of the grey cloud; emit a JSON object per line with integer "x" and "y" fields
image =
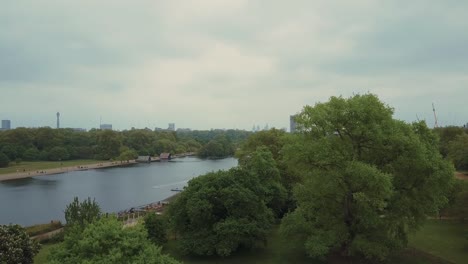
{"x": 255, "y": 61}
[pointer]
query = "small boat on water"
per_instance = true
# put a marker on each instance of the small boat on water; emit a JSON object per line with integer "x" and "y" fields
{"x": 176, "y": 190}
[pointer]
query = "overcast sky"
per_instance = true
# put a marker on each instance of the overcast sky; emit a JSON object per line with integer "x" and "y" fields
{"x": 227, "y": 64}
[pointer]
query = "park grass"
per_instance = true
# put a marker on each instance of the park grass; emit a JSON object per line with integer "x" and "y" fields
{"x": 443, "y": 238}
{"x": 280, "y": 250}
{"x": 44, "y": 165}
{"x": 438, "y": 242}
{"x": 43, "y": 228}
{"x": 41, "y": 257}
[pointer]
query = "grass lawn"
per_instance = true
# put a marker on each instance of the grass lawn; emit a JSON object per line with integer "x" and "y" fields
{"x": 280, "y": 250}
{"x": 445, "y": 239}
{"x": 438, "y": 242}
{"x": 44, "y": 165}
{"x": 41, "y": 257}
{"x": 43, "y": 228}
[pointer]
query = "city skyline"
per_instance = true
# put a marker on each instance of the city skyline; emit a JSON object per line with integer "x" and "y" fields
{"x": 6, "y": 125}
{"x": 227, "y": 64}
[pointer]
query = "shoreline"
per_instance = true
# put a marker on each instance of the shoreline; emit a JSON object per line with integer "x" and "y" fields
{"x": 29, "y": 174}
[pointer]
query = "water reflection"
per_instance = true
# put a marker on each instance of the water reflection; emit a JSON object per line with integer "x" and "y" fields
{"x": 17, "y": 183}
{"x": 43, "y": 198}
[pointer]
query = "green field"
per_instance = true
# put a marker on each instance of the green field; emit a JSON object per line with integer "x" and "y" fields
{"x": 43, "y": 228}
{"x": 438, "y": 242}
{"x": 445, "y": 239}
{"x": 44, "y": 165}
{"x": 278, "y": 250}
{"x": 41, "y": 257}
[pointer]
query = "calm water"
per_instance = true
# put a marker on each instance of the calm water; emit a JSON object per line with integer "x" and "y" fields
{"x": 41, "y": 199}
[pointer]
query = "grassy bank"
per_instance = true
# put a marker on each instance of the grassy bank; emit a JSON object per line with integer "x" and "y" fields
{"x": 43, "y": 228}
{"x": 44, "y": 165}
{"x": 41, "y": 257}
{"x": 446, "y": 239}
{"x": 438, "y": 242}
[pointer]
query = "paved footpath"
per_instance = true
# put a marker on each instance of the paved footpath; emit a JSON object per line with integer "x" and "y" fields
{"x": 27, "y": 174}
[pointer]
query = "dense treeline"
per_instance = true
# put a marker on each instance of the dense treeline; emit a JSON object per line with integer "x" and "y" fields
{"x": 45, "y": 143}
{"x": 353, "y": 181}
{"x": 220, "y": 212}
{"x": 453, "y": 145}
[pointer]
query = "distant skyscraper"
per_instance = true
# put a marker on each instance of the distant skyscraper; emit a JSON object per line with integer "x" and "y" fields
{"x": 58, "y": 120}
{"x": 171, "y": 127}
{"x": 292, "y": 123}
{"x": 106, "y": 126}
{"x": 6, "y": 124}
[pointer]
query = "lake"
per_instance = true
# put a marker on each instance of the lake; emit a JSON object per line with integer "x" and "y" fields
{"x": 44, "y": 198}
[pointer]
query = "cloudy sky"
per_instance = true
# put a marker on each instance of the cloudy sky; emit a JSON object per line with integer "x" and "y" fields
{"x": 227, "y": 64}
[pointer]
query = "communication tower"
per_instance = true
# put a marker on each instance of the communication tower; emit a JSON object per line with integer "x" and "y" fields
{"x": 436, "y": 125}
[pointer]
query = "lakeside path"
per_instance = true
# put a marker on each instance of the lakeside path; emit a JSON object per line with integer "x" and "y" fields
{"x": 28, "y": 174}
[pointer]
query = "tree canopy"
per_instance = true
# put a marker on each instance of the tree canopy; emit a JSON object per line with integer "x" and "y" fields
{"x": 16, "y": 246}
{"x": 4, "y": 160}
{"x": 367, "y": 178}
{"x": 107, "y": 241}
{"x": 220, "y": 212}
{"x": 82, "y": 213}
{"x": 219, "y": 147}
{"x": 157, "y": 227}
{"x": 458, "y": 151}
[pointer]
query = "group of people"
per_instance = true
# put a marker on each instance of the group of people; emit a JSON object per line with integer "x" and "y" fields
{"x": 142, "y": 210}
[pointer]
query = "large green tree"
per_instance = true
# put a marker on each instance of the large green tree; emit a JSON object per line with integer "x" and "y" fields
{"x": 157, "y": 227}
{"x": 58, "y": 153}
{"x": 16, "y": 246}
{"x": 107, "y": 241}
{"x": 127, "y": 154}
{"x": 261, "y": 164}
{"x": 108, "y": 144}
{"x": 446, "y": 136}
{"x": 368, "y": 179}
{"x": 219, "y": 212}
{"x": 31, "y": 154}
{"x": 272, "y": 139}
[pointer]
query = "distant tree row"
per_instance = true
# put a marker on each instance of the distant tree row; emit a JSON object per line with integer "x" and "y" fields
{"x": 453, "y": 145}
{"x": 32, "y": 144}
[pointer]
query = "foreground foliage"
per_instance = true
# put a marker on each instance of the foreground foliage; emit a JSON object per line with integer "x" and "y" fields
{"x": 442, "y": 238}
{"x": 82, "y": 213}
{"x": 156, "y": 226}
{"x": 282, "y": 250}
{"x": 16, "y": 246}
{"x": 367, "y": 179}
{"x": 106, "y": 241}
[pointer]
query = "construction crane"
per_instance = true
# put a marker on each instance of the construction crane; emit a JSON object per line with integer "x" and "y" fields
{"x": 436, "y": 125}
